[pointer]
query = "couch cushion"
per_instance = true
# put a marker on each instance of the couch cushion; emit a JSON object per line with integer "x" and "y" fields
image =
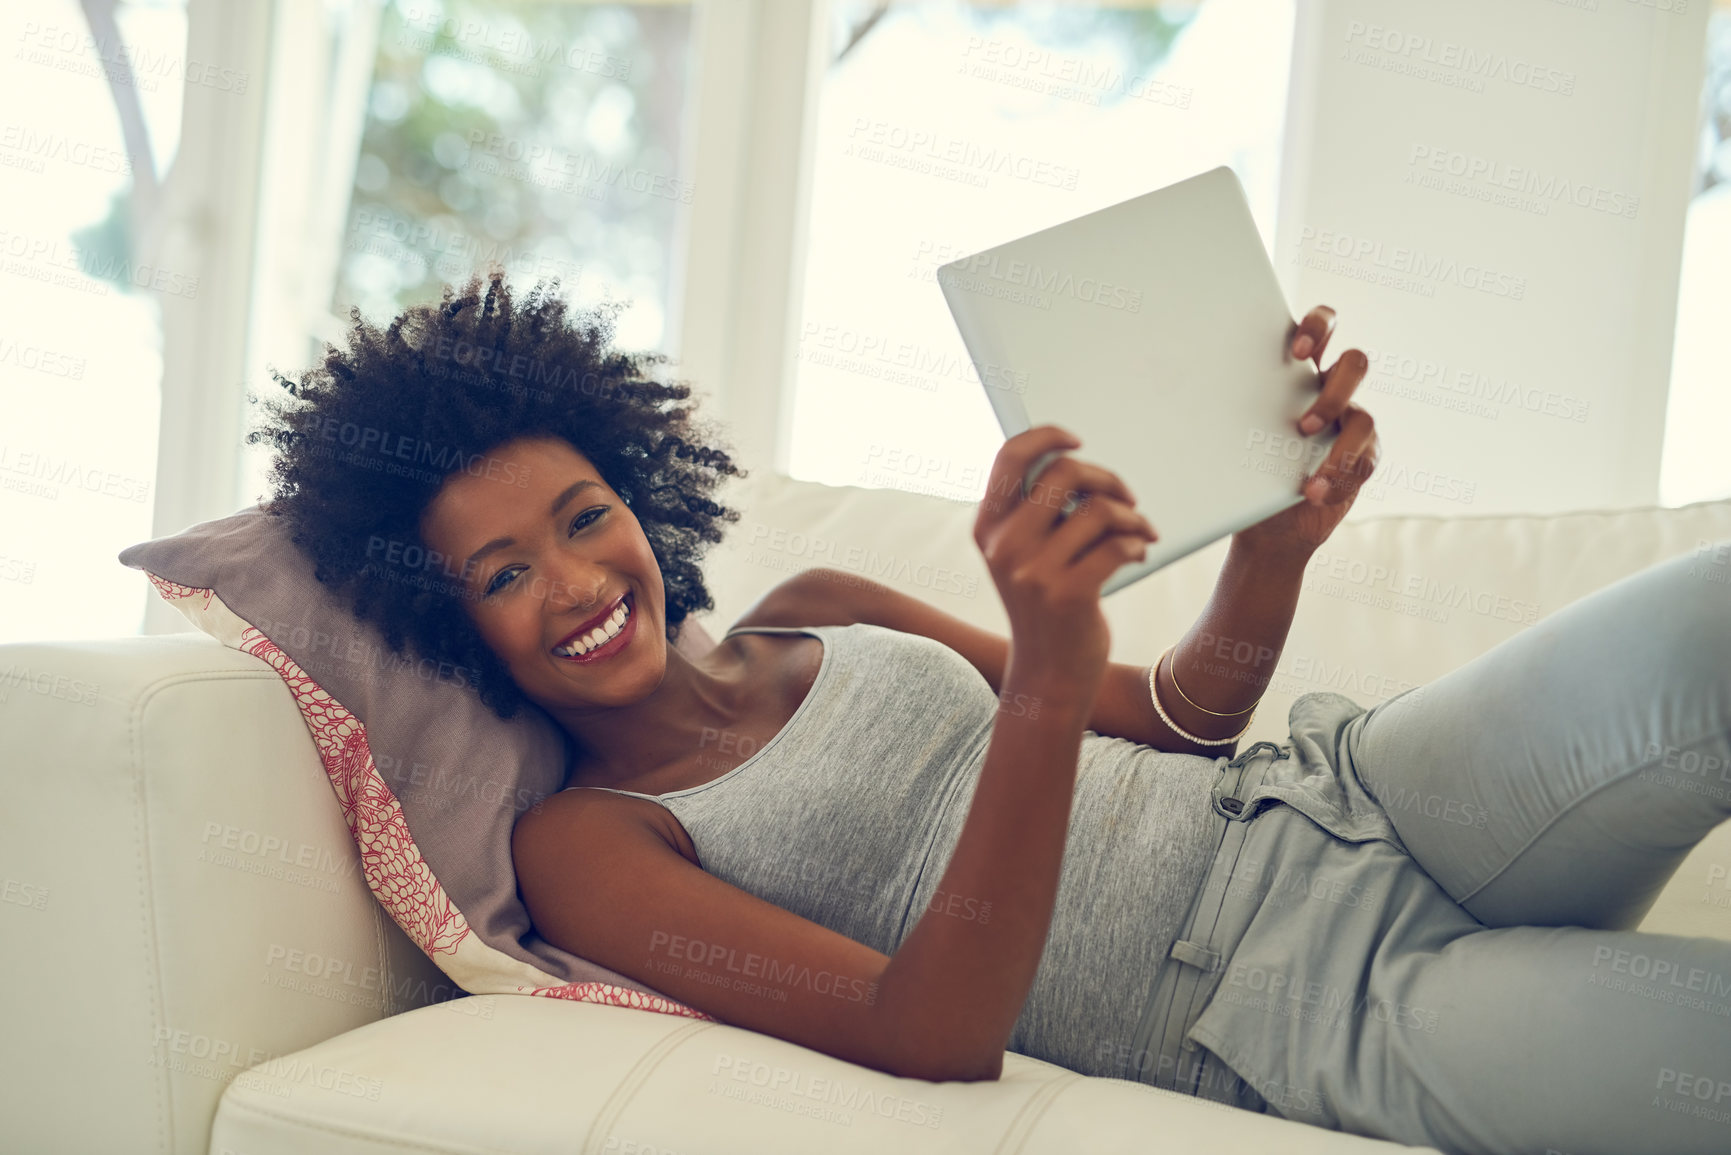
{"x": 503, "y": 1073}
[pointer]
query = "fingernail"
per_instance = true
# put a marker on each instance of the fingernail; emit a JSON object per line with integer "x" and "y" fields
{"x": 1310, "y": 424}
{"x": 1316, "y": 489}
{"x": 1301, "y": 347}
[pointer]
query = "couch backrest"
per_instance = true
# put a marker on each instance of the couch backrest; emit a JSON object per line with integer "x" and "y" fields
{"x": 1388, "y": 603}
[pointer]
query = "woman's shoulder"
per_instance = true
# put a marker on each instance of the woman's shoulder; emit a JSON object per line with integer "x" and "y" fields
{"x": 608, "y": 814}
{"x": 810, "y": 598}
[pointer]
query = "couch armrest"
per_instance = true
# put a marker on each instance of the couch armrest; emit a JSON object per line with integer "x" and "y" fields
{"x": 181, "y": 896}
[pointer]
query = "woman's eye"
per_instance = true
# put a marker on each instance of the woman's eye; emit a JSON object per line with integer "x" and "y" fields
{"x": 504, "y": 576}
{"x": 578, "y": 523}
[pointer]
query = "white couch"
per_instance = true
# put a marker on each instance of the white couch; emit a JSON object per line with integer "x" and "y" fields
{"x": 182, "y": 904}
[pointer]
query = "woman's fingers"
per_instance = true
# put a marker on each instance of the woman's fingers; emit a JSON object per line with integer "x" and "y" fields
{"x": 1338, "y": 385}
{"x": 1004, "y": 488}
{"x": 1313, "y": 334}
{"x": 1103, "y": 559}
{"x": 1014, "y": 524}
{"x": 1032, "y": 528}
{"x": 1099, "y": 518}
{"x": 1067, "y": 479}
{"x": 1351, "y": 460}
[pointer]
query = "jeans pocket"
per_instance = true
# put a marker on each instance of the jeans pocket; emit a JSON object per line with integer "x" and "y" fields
{"x": 1319, "y": 779}
{"x": 1289, "y": 996}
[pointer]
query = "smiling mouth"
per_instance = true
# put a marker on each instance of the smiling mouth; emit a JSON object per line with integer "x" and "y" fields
{"x": 608, "y": 637}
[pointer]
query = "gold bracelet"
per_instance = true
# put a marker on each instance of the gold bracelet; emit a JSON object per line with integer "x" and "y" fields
{"x": 1186, "y": 697}
{"x": 1154, "y": 694}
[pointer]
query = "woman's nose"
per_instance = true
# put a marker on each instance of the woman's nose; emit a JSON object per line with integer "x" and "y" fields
{"x": 574, "y": 585}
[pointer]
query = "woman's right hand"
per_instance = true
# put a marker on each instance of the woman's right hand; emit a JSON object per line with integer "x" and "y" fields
{"x": 1049, "y": 568}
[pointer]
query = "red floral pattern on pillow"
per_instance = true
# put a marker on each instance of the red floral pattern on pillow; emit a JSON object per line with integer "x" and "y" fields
{"x": 395, "y": 871}
{"x": 394, "y": 868}
{"x": 174, "y": 591}
{"x": 392, "y": 864}
{"x": 621, "y": 997}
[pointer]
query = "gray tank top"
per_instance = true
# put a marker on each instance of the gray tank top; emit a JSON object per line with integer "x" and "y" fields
{"x": 848, "y": 815}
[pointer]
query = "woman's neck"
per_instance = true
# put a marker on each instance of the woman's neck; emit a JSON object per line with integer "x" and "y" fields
{"x": 696, "y": 698}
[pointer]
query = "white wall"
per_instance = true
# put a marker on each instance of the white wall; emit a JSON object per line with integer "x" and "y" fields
{"x": 1492, "y": 193}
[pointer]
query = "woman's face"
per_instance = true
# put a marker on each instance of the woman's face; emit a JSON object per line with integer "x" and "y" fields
{"x": 538, "y": 545}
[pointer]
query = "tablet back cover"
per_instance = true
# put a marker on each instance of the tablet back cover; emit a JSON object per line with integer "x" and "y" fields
{"x": 1156, "y": 331}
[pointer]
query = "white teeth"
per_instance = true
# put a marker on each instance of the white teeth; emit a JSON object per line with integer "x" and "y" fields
{"x": 605, "y": 632}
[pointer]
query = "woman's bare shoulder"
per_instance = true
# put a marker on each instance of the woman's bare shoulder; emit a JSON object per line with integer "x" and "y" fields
{"x": 600, "y": 817}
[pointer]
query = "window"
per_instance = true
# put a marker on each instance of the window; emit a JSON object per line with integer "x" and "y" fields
{"x": 80, "y": 335}
{"x": 946, "y": 129}
{"x": 547, "y": 136}
{"x": 645, "y": 153}
{"x": 1695, "y": 466}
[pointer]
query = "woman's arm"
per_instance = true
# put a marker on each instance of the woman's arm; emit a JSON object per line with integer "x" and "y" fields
{"x": 1225, "y": 661}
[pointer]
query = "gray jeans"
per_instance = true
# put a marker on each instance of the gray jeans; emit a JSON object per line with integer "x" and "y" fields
{"x": 1418, "y": 925}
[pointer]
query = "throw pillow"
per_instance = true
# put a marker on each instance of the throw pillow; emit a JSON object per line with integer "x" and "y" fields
{"x": 430, "y": 780}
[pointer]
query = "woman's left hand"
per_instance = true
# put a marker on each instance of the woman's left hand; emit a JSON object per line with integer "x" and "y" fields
{"x": 1328, "y": 493}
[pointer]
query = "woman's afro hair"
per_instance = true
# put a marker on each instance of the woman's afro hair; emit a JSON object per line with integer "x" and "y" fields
{"x": 365, "y": 440}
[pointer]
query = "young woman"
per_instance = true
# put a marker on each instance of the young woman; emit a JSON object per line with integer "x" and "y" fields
{"x": 864, "y": 826}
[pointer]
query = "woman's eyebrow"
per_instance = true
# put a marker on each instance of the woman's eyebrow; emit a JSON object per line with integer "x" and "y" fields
{"x": 571, "y": 491}
{"x": 559, "y": 503}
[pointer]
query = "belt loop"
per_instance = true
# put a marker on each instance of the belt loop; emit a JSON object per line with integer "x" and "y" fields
{"x": 1249, "y": 752}
{"x": 1227, "y": 801}
{"x": 1196, "y": 955}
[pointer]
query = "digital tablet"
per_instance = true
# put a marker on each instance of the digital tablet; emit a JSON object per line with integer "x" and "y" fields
{"x": 1156, "y": 331}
